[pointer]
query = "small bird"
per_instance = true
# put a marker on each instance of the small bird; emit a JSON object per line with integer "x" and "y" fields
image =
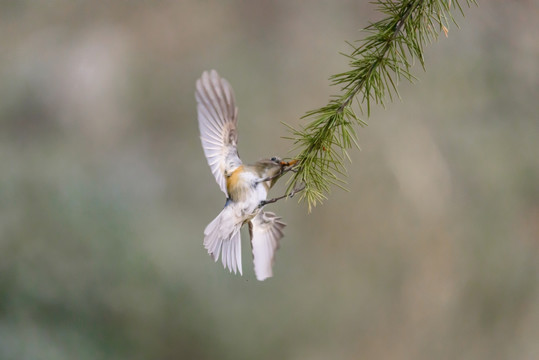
{"x": 245, "y": 186}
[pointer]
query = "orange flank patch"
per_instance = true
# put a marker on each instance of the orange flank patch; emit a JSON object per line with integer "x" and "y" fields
{"x": 233, "y": 179}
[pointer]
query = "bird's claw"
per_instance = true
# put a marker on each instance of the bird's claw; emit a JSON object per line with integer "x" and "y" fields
{"x": 290, "y": 195}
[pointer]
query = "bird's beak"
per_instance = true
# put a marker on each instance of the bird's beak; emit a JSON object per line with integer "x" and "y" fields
{"x": 288, "y": 163}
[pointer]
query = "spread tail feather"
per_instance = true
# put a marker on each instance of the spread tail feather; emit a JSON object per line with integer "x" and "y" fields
{"x": 222, "y": 238}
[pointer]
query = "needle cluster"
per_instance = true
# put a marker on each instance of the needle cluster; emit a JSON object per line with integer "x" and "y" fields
{"x": 377, "y": 65}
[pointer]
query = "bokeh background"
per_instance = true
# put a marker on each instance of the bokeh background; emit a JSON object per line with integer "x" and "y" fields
{"x": 105, "y": 191}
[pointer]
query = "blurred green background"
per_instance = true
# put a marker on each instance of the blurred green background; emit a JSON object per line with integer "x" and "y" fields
{"x": 105, "y": 191}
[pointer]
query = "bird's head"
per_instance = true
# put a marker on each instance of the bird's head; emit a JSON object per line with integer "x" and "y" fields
{"x": 272, "y": 167}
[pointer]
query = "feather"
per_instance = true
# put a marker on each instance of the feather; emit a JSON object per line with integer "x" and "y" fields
{"x": 266, "y": 231}
{"x": 222, "y": 237}
{"x": 217, "y": 119}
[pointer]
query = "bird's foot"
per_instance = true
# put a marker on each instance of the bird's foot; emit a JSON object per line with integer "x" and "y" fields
{"x": 285, "y": 196}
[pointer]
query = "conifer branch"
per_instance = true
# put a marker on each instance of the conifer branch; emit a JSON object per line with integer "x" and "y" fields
{"x": 383, "y": 58}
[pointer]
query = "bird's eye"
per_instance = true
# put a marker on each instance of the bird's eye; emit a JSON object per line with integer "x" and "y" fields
{"x": 274, "y": 159}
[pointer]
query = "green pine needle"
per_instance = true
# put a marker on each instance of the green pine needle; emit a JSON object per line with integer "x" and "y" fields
{"x": 383, "y": 58}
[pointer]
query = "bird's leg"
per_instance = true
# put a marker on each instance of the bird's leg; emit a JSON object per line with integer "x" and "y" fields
{"x": 271, "y": 201}
{"x": 269, "y": 178}
{"x": 285, "y": 167}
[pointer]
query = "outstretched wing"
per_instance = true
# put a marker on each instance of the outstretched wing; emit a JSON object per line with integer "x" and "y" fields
{"x": 217, "y": 121}
{"x": 266, "y": 229}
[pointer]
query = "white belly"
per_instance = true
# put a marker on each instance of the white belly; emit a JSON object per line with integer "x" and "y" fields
{"x": 248, "y": 203}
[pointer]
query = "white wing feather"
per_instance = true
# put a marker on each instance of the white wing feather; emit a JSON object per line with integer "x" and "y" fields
{"x": 266, "y": 230}
{"x": 217, "y": 120}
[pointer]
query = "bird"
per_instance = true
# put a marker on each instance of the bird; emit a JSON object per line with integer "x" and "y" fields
{"x": 245, "y": 186}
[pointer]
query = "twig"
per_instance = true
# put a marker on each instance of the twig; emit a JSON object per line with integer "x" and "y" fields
{"x": 384, "y": 57}
{"x": 290, "y": 195}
